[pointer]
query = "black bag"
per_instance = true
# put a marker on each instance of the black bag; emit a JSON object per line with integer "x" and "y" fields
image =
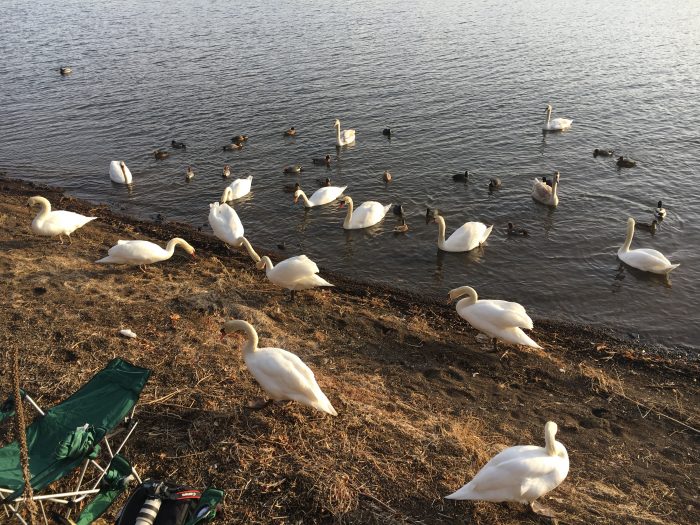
{"x": 163, "y": 503}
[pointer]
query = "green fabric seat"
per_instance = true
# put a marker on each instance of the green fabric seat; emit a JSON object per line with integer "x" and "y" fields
{"x": 102, "y": 403}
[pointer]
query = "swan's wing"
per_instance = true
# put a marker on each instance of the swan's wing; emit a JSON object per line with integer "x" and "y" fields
{"x": 369, "y": 213}
{"x": 517, "y": 474}
{"x": 282, "y": 373}
{"x": 137, "y": 252}
{"x": 224, "y": 220}
{"x": 560, "y": 123}
{"x": 541, "y": 190}
{"x": 68, "y": 221}
{"x": 326, "y": 194}
{"x": 517, "y": 309}
{"x": 647, "y": 260}
{"x": 292, "y": 269}
{"x": 485, "y": 313}
{"x": 468, "y": 235}
{"x": 348, "y": 135}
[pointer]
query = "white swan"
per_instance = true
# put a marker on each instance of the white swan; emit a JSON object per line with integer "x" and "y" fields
{"x": 295, "y": 273}
{"x": 60, "y": 222}
{"x": 546, "y": 194}
{"x": 643, "y": 258}
{"x": 367, "y": 214}
{"x": 228, "y": 228}
{"x": 237, "y": 189}
{"x": 279, "y": 372}
{"x": 119, "y": 173}
{"x": 465, "y": 238}
{"x": 498, "y": 319}
{"x": 557, "y": 124}
{"x": 345, "y": 137}
{"x": 143, "y": 252}
{"x": 321, "y": 196}
{"x": 521, "y": 474}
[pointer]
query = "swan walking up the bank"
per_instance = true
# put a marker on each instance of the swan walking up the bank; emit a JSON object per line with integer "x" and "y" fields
{"x": 644, "y": 259}
{"x": 502, "y": 320}
{"x": 140, "y": 253}
{"x": 279, "y": 372}
{"x": 556, "y": 124}
{"x": 520, "y": 474}
{"x": 295, "y": 273}
{"x": 60, "y": 222}
{"x": 465, "y": 238}
{"x": 228, "y": 228}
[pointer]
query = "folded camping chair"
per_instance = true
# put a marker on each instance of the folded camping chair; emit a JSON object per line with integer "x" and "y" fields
{"x": 72, "y": 434}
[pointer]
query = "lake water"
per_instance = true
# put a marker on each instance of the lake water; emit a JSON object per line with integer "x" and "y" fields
{"x": 463, "y": 85}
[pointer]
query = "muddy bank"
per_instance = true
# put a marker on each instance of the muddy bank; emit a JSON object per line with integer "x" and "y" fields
{"x": 422, "y": 400}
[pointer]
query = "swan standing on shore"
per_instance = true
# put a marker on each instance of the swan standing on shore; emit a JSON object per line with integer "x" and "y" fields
{"x": 237, "y": 189}
{"x": 295, "y": 273}
{"x": 228, "y": 228}
{"x": 119, "y": 173}
{"x": 321, "y": 196}
{"x": 60, "y": 222}
{"x": 643, "y": 259}
{"x": 520, "y": 474}
{"x": 546, "y": 194}
{"x": 345, "y": 137}
{"x": 279, "y": 372}
{"x": 139, "y": 253}
{"x": 557, "y": 124}
{"x": 367, "y": 214}
{"x": 502, "y": 320}
{"x": 463, "y": 239}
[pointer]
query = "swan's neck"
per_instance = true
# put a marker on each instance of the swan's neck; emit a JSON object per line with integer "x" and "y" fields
{"x": 268, "y": 265}
{"x": 307, "y": 204}
{"x": 44, "y": 207}
{"x": 170, "y": 247}
{"x": 469, "y": 300}
{"x": 250, "y": 250}
{"x": 555, "y": 183}
{"x": 348, "y": 215}
{"x": 549, "y": 114}
{"x": 628, "y": 239}
{"x": 441, "y": 231}
{"x": 225, "y": 196}
{"x": 550, "y": 443}
{"x": 337, "y": 134}
{"x": 251, "y": 344}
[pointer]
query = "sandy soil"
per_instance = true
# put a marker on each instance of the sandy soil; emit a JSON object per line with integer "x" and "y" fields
{"x": 422, "y": 401}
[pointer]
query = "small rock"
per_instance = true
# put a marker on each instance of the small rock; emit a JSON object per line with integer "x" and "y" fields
{"x": 127, "y": 333}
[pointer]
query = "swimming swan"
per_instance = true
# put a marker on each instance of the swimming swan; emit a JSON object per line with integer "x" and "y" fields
{"x": 546, "y": 194}
{"x": 295, "y": 273}
{"x": 320, "y": 197}
{"x": 502, "y": 320}
{"x": 557, "y": 124}
{"x": 463, "y": 239}
{"x": 643, "y": 259}
{"x": 521, "y": 474}
{"x": 345, "y": 137}
{"x": 237, "y": 189}
{"x": 143, "y": 252}
{"x": 119, "y": 173}
{"x": 279, "y": 372}
{"x": 228, "y": 228}
{"x": 367, "y": 214}
{"x": 60, "y": 222}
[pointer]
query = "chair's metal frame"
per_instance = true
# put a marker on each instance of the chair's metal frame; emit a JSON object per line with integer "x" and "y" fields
{"x": 12, "y": 507}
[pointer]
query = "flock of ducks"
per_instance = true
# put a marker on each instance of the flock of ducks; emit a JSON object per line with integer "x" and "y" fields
{"x": 521, "y": 473}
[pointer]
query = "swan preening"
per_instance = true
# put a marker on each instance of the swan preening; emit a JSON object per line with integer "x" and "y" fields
{"x": 295, "y": 273}
{"x": 555, "y": 124}
{"x": 143, "y": 252}
{"x": 279, "y": 372}
{"x": 321, "y": 196}
{"x": 60, "y": 222}
{"x": 119, "y": 173}
{"x": 546, "y": 194}
{"x": 344, "y": 137}
{"x": 237, "y": 189}
{"x": 463, "y": 239}
{"x": 502, "y": 320}
{"x": 367, "y": 214}
{"x": 520, "y": 474}
{"x": 643, "y": 258}
{"x": 228, "y": 228}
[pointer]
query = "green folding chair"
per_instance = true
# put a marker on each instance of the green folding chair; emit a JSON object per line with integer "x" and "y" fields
{"x": 77, "y": 433}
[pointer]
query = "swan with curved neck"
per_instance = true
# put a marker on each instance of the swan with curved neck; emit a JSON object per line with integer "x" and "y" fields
{"x": 295, "y": 273}
{"x": 321, "y": 196}
{"x": 644, "y": 259}
{"x": 465, "y": 238}
{"x": 60, "y": 222}
{"x": 119, "y": 173}
{"x": 239, "y": 188}
{"x": 546, "y": 194}
{"x": 344, "y": 137}
{"x": 520, "y": 474}
{"x": 557, "y": 124}
{"x": 502, "y": 320}
{"x": 140, "y": 253}
{"x": 228, "y": 228}
{"x": 280, "y": 373}
{"x": 367, "y": 214}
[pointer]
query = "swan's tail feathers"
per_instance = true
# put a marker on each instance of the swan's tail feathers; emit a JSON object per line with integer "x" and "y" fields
{"x": 105, "y": 260}
{"x": 674, "y": 266}
{"x": 527, "y": 341}
{"x": 486, "y": 234}
{"x": 324, "y": 405}
{"x": 465, "y": 492}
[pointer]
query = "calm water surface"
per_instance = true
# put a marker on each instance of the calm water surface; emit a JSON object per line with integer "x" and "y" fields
{"x": 463, "y": 85}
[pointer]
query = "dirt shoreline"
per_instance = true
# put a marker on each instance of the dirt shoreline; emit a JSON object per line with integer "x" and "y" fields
{"x": 422, "y": 401}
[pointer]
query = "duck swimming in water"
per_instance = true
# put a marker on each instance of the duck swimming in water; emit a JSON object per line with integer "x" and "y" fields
{"x": 232, "y": 147}
{"x": 603, "y": 152}
{"x": 623, "y": 162}
{"x": 660, "y": 211}
{"x": 461, "y": 177}
{"x": 494, "y": 183}
{"x": 386, "y": 177}
{"x": 512, "y": 231}
{"x": 160, "y": 154}
{"x": 178, "y": 145}
{"x": 226, "y": 171}
{"x": 294, "y": 169}
{"x": 239, "y": 138}
{"x": 325, "y": 161}
{"x": 291, "y": 132}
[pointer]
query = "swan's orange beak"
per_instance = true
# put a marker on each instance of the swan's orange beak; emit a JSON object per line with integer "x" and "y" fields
{"x": 296, "y": 199}
{"x": 341, "y": 205}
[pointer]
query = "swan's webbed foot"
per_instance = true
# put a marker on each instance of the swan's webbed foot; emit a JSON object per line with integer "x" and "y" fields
{"x": 495, "y": 344}
{"x": 259, "y": 404}
{"x": 292, "y": 294}
{"x": 60, "y": 238}
{"x": 142, "y": 267}
{"x": 541, "y": 510}
{"x": 70, "y": 240}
